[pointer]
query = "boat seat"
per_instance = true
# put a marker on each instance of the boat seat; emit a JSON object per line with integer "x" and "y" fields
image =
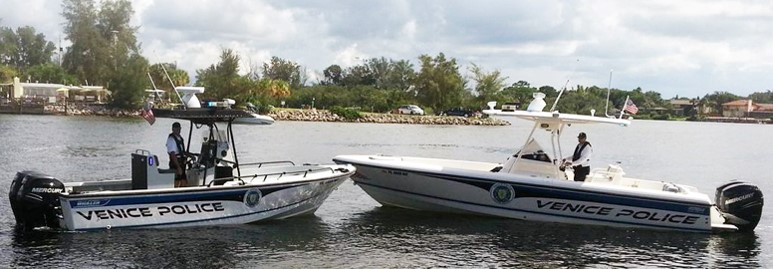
{"x": 161, "y": 170}
{"x": 166, "y": 171}
{"x": 146, "y": 174}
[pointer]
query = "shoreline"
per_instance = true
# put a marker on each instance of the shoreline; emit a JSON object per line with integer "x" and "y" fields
{"x": 327, "y": 116}
{"x": 314, "y": 115}
{"x": 322, "y": 115}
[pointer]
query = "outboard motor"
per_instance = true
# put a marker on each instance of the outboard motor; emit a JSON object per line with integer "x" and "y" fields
{"x": 35, "y": 200}
{"x": 741, "y": 204}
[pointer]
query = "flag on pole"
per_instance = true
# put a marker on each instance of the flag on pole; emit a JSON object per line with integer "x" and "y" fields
{"x": 147, "y": 114}
{"x": 630, "y": 107}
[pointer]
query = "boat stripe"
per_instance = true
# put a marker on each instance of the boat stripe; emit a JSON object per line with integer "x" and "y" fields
{"x": 536, "y": 212}
{"x": 590, "y": 196}
{"x": 204, "y": 195}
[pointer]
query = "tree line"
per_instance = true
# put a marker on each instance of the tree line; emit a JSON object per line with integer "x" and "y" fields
{"x": 104, "y": 51}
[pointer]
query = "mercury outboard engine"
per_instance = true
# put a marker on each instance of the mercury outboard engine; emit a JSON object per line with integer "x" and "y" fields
{"x": 35, "y": 200}
{"x": 741, "y": 204}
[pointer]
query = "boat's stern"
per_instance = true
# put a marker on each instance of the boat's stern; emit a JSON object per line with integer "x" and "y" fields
{"x": 740, "y": 204}
{"x": 34, "y": 200}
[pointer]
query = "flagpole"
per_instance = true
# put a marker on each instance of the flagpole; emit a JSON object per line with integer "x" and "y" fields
{"x": 609, "y": 87}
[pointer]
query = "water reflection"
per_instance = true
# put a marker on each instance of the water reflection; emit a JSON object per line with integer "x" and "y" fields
{"x": 197, "y": 247}
{"x": 456, "y": 240}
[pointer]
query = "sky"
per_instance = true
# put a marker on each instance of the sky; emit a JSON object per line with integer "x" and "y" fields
{"x": 685, "y": 48}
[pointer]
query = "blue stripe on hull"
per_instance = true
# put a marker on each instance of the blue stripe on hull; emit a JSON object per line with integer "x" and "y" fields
{"x": 534, "y": 212}
{"x": 116, "y": 199}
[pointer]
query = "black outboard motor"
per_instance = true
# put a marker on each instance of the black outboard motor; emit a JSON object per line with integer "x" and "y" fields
{"x": 35, "y": 200}
{"x": 741, "y": 204}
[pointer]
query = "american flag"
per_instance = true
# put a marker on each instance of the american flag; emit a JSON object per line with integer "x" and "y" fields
{"x": 631, "y": 107}
{"x": 147, "y": 114}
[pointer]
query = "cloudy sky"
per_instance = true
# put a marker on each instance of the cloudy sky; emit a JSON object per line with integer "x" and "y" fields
{"x": 686, "y": 47}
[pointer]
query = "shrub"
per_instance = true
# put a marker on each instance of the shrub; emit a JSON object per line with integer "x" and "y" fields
{"x": 662, "y": 117}
{"x": 346, "y": 113}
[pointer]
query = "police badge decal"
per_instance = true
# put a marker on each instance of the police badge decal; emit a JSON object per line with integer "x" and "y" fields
{"x": 502, "y": 193}
{"x": 252, "y": 197}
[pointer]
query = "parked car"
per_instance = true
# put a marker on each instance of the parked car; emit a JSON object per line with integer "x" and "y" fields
{"x": 458, "y": 111}
{"x": 510, "y": 106}
{"x": 410, "y": 109}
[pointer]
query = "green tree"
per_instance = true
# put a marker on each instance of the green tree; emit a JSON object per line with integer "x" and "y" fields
{"x": 762, "y": 97}
{"x": 85, "y": 58}
{"x": 487, "y": 84}
{"x": 333, "y": 75}
{"x": 286, "y": 70}
{"x": 439, "y": 84}
{"x": 401, "y": 76}
{"x": 716, "y": 99}
{"x": 358, "y": 75}
{"x": 101, "y": 38}
{"x": 549, "y": 91}
{"x": 519, "y": 92}
{"x": 379, "y": 68}
{"x": 220, "y": 79}
{"x": 7, "y": 73}
{"x": 128, "y": 85}
{"x": 274, "y": 88}
{"x": 24, "y": 48}
{"x": 50, "y": 73}
{"x": 179, "y": 77}
{"x": 580, "y": 101}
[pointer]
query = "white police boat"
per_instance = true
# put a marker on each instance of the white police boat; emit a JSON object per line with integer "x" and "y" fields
{"x": 255, "y": 118}
{"x": 221, "y": 189}
{"x": 531, "y": 185}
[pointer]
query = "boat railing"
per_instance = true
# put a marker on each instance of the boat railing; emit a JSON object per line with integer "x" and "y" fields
{"x": 260, "y": 164}
{"x": 265, "y": 176}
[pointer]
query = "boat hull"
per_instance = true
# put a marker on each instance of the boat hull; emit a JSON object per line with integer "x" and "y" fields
{"x": 444, "y": 189}
{"x": 195, "y": 206}
{"x": 256, "y": 119}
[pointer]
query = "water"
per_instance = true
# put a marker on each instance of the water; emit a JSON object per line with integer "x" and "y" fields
{"x": 351, "y": 230}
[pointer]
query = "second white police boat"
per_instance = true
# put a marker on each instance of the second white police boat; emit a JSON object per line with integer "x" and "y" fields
{"x": 531, "y": 185}
{"x": 221, "y": 189}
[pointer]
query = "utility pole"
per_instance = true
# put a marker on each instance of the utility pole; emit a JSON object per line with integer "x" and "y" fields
{"x": 60, "y": 50}
{"x": 115, "y": 49}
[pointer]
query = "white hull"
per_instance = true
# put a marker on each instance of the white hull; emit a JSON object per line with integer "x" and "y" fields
{"x": 274, "y": 198}
{"x": 470, "y": 188}
{"x": 256, "y": 119}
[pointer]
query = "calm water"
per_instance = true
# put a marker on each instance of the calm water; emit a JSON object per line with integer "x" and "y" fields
{"x": 352, "y": 230}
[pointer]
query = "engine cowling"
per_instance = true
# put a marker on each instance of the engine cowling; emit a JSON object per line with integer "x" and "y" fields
{"x": 741, "y": 204}
{"x": 35, "y": 200}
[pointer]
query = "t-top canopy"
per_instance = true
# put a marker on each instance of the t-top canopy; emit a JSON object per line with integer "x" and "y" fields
{"x": 556, "y": 117}
{"x": 202, "y": 115}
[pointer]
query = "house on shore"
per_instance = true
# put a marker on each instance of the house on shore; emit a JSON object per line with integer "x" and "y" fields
{"x": 747, "y": 108}
{"x": 33, "y": 97}
{"x": 49, "y": 93}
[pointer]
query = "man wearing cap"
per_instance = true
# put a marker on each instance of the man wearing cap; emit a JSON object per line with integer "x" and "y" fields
{"x": 175, "y": 146}
{"x": 581, "y": 158}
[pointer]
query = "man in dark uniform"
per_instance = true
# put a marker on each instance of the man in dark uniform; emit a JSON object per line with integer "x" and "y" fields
{"x": 175, "y": 146}
{"x": 581, "y": 158}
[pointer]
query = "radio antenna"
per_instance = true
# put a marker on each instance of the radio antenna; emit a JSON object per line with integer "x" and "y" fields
{"x": 609, "y": 88}
{"x": 553, "y": 108}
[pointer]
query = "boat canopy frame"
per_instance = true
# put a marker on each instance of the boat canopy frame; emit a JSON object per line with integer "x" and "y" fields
{"x": 553, "y": 122}
{"x": 208, "y": 117}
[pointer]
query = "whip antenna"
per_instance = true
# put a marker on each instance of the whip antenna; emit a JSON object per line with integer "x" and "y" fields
{"x": 609, "y": 88}
{"x": 174, "y": 87}
{"x": 553, "y": 108}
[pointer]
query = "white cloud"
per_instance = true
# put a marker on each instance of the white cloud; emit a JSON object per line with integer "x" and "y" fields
{"x": 689, "y": 47}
